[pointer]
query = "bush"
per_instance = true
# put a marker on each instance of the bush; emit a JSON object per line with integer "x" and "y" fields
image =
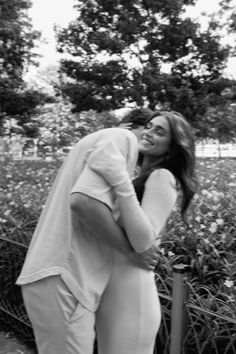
{"x": 207, "y": 244}
{"x": 24, "y": 186}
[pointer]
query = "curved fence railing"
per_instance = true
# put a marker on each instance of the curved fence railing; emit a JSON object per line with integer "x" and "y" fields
{"x": 187, "y": 327}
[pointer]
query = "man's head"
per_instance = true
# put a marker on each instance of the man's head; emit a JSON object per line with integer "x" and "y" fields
{"x": 136, "y": 119}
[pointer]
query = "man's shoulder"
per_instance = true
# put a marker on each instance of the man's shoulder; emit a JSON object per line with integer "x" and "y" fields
{"x": 115, "y": 131}
{"x": 116, "y": 134}
{"x": 124, "y": 139}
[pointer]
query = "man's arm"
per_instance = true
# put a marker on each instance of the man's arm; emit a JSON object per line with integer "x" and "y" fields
{"x": 98, "y": 219}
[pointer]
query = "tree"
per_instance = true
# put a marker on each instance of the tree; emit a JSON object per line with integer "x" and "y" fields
{"x": 19, "y": 105}
{"x": 228, "y": 11}
{"x": 45, "y": 80}
{"x": 16, "y": 43}
{"x": 117, "y": 49}
{"x": 57, "y": 127}
{"x": 193, "y": 98}
{"x": 220, "y": 124}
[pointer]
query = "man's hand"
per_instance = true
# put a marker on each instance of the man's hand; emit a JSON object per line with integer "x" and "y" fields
{"x": 126, "y": 126}
{"x": 107, "y": 160}
{"x": 146, "y": 260}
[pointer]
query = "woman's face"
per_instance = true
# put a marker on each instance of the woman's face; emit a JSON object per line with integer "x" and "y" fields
{"x": 156, "y": 137}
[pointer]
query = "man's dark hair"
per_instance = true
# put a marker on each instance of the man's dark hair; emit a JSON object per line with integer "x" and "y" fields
{"x": 137, "y": 116}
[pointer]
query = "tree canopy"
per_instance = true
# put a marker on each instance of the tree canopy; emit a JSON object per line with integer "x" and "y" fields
{"x": 118, "y": 49}
{"x": 17, "y": 38}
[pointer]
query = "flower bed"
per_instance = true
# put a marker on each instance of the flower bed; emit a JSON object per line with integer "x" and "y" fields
{"x": 208, "y": 243}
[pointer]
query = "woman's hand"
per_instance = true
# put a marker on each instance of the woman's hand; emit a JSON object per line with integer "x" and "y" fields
{"x": 148, "y": 259}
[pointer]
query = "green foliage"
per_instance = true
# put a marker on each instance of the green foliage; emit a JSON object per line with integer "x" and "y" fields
{"x": 221, "y": 122}
{"x": 58, "y": 127}
{"x": 118, "y": 47}
{"x": 208, "y": 244}
{"x": 17, "y": 40}
{"x": 228, "y": 11}
{"x": 23, "y": 189}
{"x": 19, "y": 103}
{"x": 92, "y": 121}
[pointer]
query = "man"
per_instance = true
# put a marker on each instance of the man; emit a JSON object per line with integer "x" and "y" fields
{"x": 70, "y": 256}
{"x": 136, "y": 120}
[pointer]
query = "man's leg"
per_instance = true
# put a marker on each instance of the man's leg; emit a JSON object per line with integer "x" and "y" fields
{"x": 61, "y": 324}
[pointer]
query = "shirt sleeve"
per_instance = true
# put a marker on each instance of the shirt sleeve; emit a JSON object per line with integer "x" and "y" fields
{"x": 159, "y": 198}
{"x": 95, "y": 186}
{"x": 144, "y": 223}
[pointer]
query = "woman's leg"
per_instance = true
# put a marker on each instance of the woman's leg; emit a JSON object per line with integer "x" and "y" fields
{"x": 129, "y": 315}
{"x": 61, "y": 324}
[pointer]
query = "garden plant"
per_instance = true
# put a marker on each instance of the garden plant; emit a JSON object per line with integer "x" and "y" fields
{"x": 207, "y": 242}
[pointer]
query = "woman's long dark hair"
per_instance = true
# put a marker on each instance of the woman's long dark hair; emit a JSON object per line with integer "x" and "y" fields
{"x": 180, "y": 161}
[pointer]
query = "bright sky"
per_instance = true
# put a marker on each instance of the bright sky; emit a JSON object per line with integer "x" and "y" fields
{"x": 46, "y": 13}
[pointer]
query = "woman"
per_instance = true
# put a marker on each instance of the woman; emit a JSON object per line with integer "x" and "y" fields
{"x": 129, "y": 314}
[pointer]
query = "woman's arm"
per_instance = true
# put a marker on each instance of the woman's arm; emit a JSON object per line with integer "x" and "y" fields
{"x": 98, "y": 220}
{"x": 142, "y": 224}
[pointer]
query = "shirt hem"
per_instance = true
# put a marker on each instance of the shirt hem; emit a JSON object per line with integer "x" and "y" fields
{"x": 67, "y": 278}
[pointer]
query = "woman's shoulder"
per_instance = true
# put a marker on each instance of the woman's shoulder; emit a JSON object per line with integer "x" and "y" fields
{"x": 162, "y": 175}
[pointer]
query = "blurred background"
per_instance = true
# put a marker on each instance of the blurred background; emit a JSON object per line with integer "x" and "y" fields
{"x": 70, "y": 67}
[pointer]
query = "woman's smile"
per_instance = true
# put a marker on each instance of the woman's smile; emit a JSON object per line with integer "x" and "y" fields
{"x": 156, "y": 137}
{"x": 146, "y": 141}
